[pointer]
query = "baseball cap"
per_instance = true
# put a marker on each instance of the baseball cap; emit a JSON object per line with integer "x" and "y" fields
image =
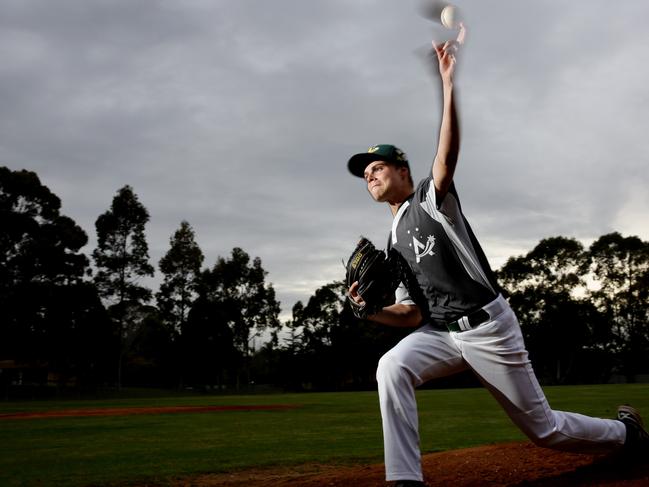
{"x": 381, "y": 152}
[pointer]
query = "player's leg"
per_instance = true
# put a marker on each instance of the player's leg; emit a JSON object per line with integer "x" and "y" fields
{"x": 496, "y": 352}
{"x": 424, "y": 354}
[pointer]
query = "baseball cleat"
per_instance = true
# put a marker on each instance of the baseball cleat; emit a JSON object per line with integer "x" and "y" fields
{"x": 409, "y": 483}
{"x": 637, "y": 438}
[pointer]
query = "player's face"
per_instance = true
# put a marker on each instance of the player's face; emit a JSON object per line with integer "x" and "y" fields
{"x": 384, "y": 180}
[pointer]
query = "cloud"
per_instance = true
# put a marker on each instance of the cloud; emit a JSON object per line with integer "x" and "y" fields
{"x": 239, "y": 117}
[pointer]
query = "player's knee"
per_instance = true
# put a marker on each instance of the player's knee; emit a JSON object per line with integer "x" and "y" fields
{"x": 543, "y": 440}
{"x": 543, "y": 430}
{"x": 391, "y": 370}
{"x": 385, "y": 368}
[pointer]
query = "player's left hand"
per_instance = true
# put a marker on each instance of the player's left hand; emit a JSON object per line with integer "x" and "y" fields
{"x": 371, "y": 279}
{"x": 353, "y": 294}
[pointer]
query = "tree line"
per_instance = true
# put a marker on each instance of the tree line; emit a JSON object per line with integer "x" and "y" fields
{"x": 70, "y": 321}
{"x": 65, "y": 322}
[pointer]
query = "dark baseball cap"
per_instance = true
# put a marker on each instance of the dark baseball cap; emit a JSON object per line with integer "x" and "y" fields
{"x": 381, "y": 152}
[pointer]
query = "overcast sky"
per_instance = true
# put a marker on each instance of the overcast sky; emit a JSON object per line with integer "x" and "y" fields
{"x": 239, "y": 116}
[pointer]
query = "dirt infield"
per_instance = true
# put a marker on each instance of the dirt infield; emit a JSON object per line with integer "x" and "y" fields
{"x": 510, "y": 464}
{"x": 68, "y": 413}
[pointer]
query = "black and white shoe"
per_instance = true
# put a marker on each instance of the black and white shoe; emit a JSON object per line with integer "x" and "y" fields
{"x": 409, "y": 483}
{"x": 637, "y": 438}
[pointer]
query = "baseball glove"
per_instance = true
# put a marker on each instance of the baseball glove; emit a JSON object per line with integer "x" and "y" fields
{"x": 376, "y": 275}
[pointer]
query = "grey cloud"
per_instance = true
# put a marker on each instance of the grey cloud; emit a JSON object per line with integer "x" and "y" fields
{"x": 239, "y": 117}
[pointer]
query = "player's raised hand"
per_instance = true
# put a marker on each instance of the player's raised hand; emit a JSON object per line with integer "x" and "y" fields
{"x": 446, "y": 53}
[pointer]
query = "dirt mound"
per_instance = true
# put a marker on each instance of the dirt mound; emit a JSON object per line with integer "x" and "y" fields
{"x": 511, "y": 464}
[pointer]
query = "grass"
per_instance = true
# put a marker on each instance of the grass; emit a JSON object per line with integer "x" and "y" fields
{"x": 326, "y": 428}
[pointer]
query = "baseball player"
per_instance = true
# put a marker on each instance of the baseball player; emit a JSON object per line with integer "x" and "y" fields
{"x": 461, "y": 320}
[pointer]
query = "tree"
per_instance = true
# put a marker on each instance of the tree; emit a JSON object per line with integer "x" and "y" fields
{"x": 181, "y": 267}
{"x": 150, "y": 352}
{"x": 49, "y": 314}
{"x": 357, "y": 345}
{"x": 620, "y": 266}
{"x": 246, "y": 304}
{"x": 290, "y": 370}
{"x": 321, "y": 313}
{"x": 556, "y": 264}
{"x": 328, "y": 348}
{"x": 544, "y": 288}
{"x": 209, "y": 357}
{"x": 312, "y": 361}
{"x": 78, "y": 334}
{"x": 293, "y": 344}
{"x": 239, "y": 286}
{"x": 122, "y": 259}
{"x": 37, "y": 243}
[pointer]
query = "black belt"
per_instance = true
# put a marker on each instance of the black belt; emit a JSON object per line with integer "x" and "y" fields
{"x": 469, "y": 321}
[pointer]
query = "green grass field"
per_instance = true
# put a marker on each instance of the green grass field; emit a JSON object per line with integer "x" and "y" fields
{"x": 326, "y": 428}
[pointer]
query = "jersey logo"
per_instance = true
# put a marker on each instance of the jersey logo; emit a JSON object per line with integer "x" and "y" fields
{"x": 422, "y": 250}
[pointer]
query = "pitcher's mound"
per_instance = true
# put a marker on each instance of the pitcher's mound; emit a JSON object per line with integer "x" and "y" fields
{"x": 510, "y": 464}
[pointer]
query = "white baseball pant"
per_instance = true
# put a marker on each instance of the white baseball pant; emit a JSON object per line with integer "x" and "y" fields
{"x": 495, "y": 352}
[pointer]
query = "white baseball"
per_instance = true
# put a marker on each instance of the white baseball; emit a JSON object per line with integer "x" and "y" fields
{"x": 449, "y": 17}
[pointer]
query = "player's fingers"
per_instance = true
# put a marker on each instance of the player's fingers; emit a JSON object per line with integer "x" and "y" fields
{"x": 439, "y": 49}
{"x": 461, "y": 36}
{"x": 353, "y": 289}
{"x": 451, "y": 46}
{"x": 446, "y": 52}
{"x": 353, "y": 293}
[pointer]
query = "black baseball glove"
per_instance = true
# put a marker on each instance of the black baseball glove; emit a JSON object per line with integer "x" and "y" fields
{"x": 376, "y": 275}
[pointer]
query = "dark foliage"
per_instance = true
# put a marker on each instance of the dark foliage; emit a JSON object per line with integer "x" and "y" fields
{"x": 52, "y": 320}
{"x": 584, "y": 312}
{"x": 122, "y": 259}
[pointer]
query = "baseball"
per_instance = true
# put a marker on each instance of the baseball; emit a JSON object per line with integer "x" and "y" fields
{"x": 448, "y": 17}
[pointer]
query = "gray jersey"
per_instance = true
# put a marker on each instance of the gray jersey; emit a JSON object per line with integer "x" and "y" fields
{"x": 450, "y": 268}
